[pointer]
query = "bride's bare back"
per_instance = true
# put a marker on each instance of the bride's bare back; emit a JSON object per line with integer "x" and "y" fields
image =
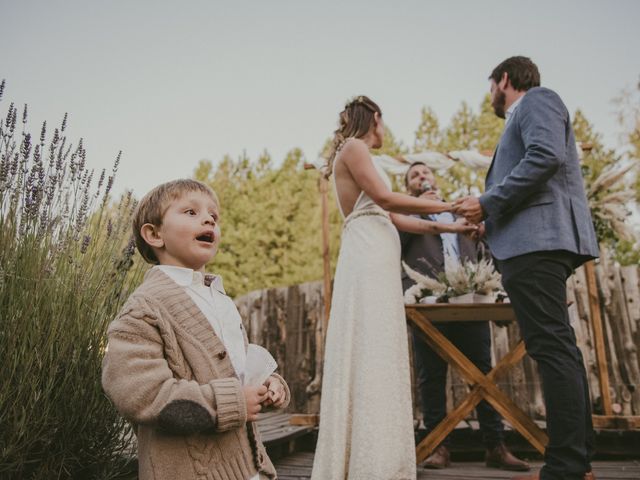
{"x": 355, "y": 173}
{"x": 347, "y": 189}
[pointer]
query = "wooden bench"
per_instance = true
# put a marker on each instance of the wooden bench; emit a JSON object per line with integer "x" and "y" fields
{"x": 278, "y": 434}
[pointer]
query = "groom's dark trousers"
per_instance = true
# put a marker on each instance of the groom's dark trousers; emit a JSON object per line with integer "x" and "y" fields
{"x": 536, "y": 284}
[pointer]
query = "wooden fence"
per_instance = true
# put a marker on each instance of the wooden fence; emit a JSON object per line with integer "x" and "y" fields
{"x": 288, "y": 322}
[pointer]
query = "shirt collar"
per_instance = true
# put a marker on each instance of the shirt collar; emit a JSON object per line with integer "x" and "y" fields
{"x": 186, "y": 277}
{"x": 512, "y": 109}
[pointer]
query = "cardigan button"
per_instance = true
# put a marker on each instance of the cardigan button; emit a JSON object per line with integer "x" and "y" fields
{"x": 222, "y": 354}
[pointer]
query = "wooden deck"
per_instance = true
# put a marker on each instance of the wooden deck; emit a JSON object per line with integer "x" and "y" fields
{"x": 284, "y": 440}
{"x": 275, "y": 428}
{"x": 297, "y": 466}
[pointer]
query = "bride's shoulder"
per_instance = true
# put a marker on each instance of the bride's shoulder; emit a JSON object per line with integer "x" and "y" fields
{"x": 354, "y": 147}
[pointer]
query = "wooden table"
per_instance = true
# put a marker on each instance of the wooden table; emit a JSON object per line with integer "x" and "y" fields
{"x": 483, "y": 387}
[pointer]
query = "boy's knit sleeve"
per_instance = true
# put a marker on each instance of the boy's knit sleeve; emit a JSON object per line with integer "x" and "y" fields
{"x": 137, "y": 378}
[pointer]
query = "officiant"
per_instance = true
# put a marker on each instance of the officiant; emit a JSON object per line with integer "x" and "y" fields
{"x": 427, "y": 253}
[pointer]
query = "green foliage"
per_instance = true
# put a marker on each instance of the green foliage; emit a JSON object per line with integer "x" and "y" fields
{"x": 390, "y": 146}
{"x": 65, "y": 265}
{"x": 629, "y": 118}
{"x": 467, "y": 131}
{"x": 610, "y": 204}
{"x": 489, "y": 127}
{"x": 599, "y": 157}
{"x": 270, "y": 220}
{"x": 627, "y": 252}
{"x": 428, "y": 135}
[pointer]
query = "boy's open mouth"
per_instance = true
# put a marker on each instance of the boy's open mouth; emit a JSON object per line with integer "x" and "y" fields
{"x": 206, "y": 237}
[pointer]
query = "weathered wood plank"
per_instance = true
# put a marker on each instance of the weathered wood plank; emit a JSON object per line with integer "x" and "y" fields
{"x": 275, "y": 427}
{"x": 299, "y": 465}
{"x": 598, "y": 334}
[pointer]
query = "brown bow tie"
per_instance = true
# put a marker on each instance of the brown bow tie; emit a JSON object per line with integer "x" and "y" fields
{"x": 208, "y": 278}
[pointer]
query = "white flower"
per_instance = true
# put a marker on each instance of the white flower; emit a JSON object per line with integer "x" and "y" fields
{"x": 412, "y": 294}
{"x": 458, "y": 279}
{"x": 425, "y": 282}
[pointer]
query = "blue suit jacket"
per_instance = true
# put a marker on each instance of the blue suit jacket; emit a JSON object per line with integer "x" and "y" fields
{"x": 534, "y": 196}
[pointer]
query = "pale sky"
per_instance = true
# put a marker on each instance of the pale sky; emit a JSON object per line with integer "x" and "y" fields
{"x": 174, "y": 82}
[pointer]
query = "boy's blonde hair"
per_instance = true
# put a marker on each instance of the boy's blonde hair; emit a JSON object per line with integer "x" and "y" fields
{"x": 154, "y": 204}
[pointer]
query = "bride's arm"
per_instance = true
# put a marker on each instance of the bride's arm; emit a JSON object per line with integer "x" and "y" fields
{"x": 405, "y": 223}
{"x": 355, "y": 155}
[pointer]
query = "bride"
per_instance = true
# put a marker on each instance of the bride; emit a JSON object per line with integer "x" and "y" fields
{"x": 366, "y": 423}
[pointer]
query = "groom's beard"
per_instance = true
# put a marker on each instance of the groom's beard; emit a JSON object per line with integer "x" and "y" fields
{"x": 498, "y": 103}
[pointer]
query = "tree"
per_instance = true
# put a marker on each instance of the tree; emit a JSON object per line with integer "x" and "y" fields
{"x": 427, "y": 136}
{"x": 489, "y": 127}
{"x": 608, "y": 192}
{"x": 270, "y": 219}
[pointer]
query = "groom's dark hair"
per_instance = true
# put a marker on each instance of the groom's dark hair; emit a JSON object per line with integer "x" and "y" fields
{"x": 522, "y": 72}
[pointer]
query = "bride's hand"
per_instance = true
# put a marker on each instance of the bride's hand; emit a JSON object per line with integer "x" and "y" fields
{"x": 462, "y": 226}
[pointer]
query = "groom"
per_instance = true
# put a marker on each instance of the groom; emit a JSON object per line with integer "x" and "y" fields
{"x": 539, "y": 228}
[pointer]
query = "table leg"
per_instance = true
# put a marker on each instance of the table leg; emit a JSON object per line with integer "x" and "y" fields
{"x": 488, "y": 390}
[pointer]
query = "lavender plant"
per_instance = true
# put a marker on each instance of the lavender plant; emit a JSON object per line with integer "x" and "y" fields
{"x": 65, "y": 269}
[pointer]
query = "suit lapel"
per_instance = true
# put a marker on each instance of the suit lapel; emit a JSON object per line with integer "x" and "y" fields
{"x": 493, "y": 159}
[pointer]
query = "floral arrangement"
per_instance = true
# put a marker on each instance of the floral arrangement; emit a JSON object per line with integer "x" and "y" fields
{"x": 458, "y": 278}
{"x": 609, "y": 199}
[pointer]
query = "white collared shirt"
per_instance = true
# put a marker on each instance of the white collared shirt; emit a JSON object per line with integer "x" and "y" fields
{"x": 218, "y": 309}
{"x": 450, "y": 246}
{"x": 511, "y": 109}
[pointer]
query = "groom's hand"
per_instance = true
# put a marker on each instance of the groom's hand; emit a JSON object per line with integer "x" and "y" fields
{"x": 470, "y": 208}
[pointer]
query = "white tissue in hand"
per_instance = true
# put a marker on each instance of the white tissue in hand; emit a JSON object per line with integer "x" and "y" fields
{"x": 260, "y": 364}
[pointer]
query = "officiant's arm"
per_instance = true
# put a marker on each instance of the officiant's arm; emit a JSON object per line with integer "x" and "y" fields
{"x": 405, "y": 223}
{"x": 355, "y": 155}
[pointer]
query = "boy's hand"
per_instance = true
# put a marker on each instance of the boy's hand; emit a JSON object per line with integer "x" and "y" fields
{"x": 254, "y": 396}
{"x": 275, "y": 393}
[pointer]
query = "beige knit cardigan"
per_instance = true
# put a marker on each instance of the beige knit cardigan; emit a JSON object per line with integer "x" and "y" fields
{"x": 167, "y": 372}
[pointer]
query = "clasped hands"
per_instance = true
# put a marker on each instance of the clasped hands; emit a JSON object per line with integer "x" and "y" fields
{"x": 468, "y": 207}
{"x": 272, "y": 392}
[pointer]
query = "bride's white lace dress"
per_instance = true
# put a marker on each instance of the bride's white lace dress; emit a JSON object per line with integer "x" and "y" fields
{"x": 366, "y": 423}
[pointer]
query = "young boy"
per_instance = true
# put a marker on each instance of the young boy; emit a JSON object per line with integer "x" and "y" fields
{"x": 177, "y": 350}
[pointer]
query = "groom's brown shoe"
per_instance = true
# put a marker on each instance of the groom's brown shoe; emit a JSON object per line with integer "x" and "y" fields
{"x": 501, "y": 457}
{"x": 536, "y": 476}
{"x": 440, "y": 458}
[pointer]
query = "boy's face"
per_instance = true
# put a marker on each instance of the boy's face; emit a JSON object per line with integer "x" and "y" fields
{"x": 189, "y": 235}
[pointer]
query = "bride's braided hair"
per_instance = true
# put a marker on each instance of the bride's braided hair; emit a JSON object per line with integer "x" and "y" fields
{"x": 356, "y": 120}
